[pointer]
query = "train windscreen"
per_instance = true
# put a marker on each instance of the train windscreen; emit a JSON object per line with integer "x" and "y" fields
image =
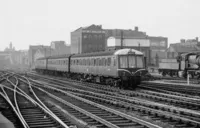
{"x": 131, "y": 61}
{"x": 140, "y": 62}
{"x": 123, "y": 62}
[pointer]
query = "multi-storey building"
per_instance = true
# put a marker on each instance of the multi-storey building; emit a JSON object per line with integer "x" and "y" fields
{"x": 59, "y": 48}
{"x": 33, "y": 50}
{"x": 152, "y": 47}
{"x": 88, "y": 39}
{"x": 183, "y": 46}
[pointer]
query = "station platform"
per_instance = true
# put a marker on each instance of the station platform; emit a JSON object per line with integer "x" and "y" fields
{"x": 5, "y": 123}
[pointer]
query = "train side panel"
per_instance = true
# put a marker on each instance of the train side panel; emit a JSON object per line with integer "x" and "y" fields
{"x": 102, "y": 66}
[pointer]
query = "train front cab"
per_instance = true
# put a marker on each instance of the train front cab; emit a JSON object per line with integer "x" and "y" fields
{"x": 130, "y": 68}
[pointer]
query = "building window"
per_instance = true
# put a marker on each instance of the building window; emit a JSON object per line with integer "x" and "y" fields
{"x": 100, "y": 36}
{"x": 85, "y": 36}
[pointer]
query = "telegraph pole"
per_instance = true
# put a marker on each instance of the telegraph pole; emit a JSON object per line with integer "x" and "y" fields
{"x": 122, "y": 39}
{"x": 139, "y": 46}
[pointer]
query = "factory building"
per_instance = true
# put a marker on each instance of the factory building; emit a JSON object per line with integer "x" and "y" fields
{"x": 34, "y": 53}
{"x": 88, "y": 39}
{"x": 120, "y": 38}
{"x": 94, "y": 39}
{"x": 152, "y": 47}
{"x": 142, "y": 45}
{"x": 59, "y": 48}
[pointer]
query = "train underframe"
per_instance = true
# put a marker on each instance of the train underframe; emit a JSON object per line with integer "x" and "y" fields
{"x": 127, "y": 82}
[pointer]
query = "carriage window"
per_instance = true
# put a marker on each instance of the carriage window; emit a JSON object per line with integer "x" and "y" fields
{"x": 139, "y": 62}
{"x": 84, "y": 62}
{"x": 103, "y": 62}
{"x": 114, "y": 61}
{"x": 131, "y": 60}
{"x": 80, "y": 62}
{"x": 88, "y": 62}
{"x": 91, "y": 62}
{"x": 123, "y": 62}
{"x": 109, "y": 61}
{"x": 99, "y": 61}
{"x": 94, "y": 62}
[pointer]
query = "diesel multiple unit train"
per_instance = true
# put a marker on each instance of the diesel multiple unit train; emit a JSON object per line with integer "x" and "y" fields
{"x": 123, "y": 67}
{"x": 184, "y": 64}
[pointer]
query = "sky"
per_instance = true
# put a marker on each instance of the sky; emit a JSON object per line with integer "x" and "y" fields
{"x": 38, "y": 22}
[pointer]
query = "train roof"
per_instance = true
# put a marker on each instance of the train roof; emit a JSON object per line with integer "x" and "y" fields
{"x": 102, "y": 53}
{"x": 111, "y": 52}
{"x": 59, "y": 56}
{"x": 55, "y": 57}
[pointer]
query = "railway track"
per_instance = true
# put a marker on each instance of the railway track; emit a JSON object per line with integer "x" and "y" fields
{"x": 178, "y": 79}
{"x": 29, "y": 112}
{"x": 149, "y": 107}
{"x": 8, "y": 112}
{"x": 171, "y": 87}
{"x": 95, "y": 114}
{"x": 181, "y": 101}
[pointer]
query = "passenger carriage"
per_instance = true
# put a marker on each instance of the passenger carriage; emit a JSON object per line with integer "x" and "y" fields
{"x": 123, "y": 67}
{"x": 58, "y": 64}
{"x": 115, "y": 67}
{"x": 40, "y": 65}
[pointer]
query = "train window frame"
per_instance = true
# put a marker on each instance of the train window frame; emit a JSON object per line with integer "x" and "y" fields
{"x": 93, "y": 62}
{"x": 137, "y": 61}
{"x": 109, "y": 61}
{"x": 99, "y": 61}
{"x": 133, "y": 62}
{"x": 114, "y": 61}
{"x": 103, "y": 62}
{"x": 120, "y": 64}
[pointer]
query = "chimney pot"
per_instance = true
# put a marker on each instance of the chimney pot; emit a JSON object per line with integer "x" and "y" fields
{"x": 182, "y": 40}
{"x": 197, "y": 39}
{"x": 136, "y": 29}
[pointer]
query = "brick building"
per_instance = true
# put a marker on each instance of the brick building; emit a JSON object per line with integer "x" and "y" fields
{"x": 183, "y": 46}
{"x": 152, "y": 47}
{"x": 120, "y": 38}
{"x": 59, "y": 48}
{"x": 88, "y": 39}
{"x": 35, "y": 49}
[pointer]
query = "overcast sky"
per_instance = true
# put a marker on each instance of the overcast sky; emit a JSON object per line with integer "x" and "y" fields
{"x": 33, "y": 22}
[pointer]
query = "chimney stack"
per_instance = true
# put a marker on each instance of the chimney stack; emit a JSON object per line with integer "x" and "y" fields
{"x": 182, "y": 40}
{"x": 136, "y": 29}
{"x": 197, "y": 39}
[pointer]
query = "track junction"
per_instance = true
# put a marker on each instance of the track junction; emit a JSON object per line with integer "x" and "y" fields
{"x": 48, "y": 101}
